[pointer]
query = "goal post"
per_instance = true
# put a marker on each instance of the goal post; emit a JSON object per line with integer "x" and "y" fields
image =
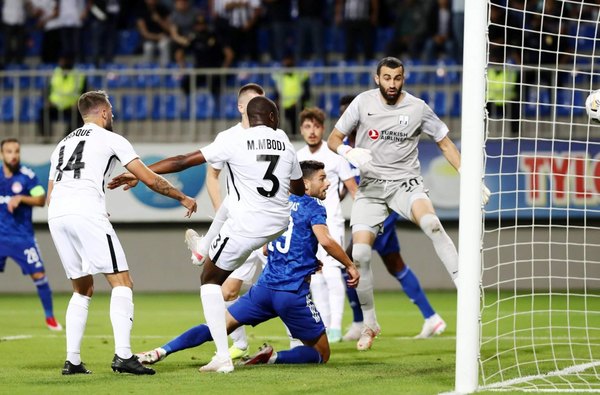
{"x": 528, "y": 308}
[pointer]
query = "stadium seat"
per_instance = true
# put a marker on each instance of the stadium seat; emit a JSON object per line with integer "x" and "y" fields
{"x": 146, "y": 78}
{"x": 10, "y": 82}
{"x": 128, "y": 42}
{"x": 366, "y": 78}
{"x": 440, "y": 104}
{"x": 205, "y": 106}
{"x": 30, "y": 108}
{"x": 538, "y": 102}
{"x": 316, "y": 78}
{"x": 245, "y": 75}
{"x": 114, "y": 78}
{"x": 133, "y": 107}
{"x": 7, "y": 104}
{"x": 412, "y": 74}
{"x": 425, "y": 97}
{"x": 330, "y": 103}
{"x": 456, "y": 109}
{"x": 345, "y": 78}
{"x": 585, "y": 34}
{"x": 444, "y": 74}
{"x": 228, "y": 106}
{"x": 40, "y": 81}
{"x": 569, "y": 102}
{"x": 165, "y": 106}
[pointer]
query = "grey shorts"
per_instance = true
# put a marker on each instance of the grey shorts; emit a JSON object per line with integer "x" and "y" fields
{"x": 375, "y": 198}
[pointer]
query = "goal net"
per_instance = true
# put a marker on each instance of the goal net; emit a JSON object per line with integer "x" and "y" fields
{"x": 539, "y": 244}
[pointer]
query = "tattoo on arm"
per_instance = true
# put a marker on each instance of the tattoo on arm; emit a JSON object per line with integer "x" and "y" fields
{"x": 162, "y": 186}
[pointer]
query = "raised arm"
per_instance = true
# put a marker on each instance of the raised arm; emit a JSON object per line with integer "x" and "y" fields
{"x": 159, "y": 184}
{"x": 450, "y": 152}
{"x": 337, "y": 252}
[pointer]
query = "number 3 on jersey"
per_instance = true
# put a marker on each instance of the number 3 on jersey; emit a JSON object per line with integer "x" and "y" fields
{"x": 74, "y": 163}
{"x": 272, "y": 159}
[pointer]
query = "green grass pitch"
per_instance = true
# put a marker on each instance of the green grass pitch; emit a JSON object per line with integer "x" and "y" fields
{"x": 32, "y": 356}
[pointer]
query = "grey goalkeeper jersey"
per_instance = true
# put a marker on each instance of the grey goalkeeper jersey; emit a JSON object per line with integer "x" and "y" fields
{"x": 391, "y": 133}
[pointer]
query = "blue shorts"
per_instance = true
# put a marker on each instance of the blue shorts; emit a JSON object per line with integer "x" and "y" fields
{"x": 295, "y": 309}
{"x": 387, "y": 241}
{"x": 25, "y": 252}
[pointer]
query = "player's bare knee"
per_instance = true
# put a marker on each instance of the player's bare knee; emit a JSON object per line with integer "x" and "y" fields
{"x": 362, "y": 255}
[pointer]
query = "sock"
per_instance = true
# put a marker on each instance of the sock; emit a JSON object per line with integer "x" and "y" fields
{"x": 214, "y": 313}
{"x": 45, "y": 295}
{"x": 121, "y": 317}
{"x": 215, "y": 228}
{"x": 336, "y": 291}
{"x": 191, "y": 338}
{"x": 412, "y": 288}
{"x": 362, "y": 257}
{"x": 293, "y": 341}
{"x": 442, "y": 243}
{"x": 300, "y": 354}
{"x": 240, "y": 340}
{"x": 357, "y": 315}
{"x": 318, "y": 291}
{"x": 77, "y": 313}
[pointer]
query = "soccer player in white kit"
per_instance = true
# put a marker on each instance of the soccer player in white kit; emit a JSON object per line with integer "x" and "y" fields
{"x": 389, "y": 122}
{"x": 327, "y": 287}
{"x": 84, "y": 238}
{"x": 263, "y": 169}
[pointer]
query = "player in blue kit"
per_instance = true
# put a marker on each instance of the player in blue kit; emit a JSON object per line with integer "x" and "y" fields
{"x": 20, "y": 191}
{"x": 283, "y": 287}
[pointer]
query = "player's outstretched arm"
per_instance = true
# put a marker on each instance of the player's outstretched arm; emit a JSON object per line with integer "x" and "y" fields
{"x": 159, "y": 184}
{"x": 178, "y": 163}
{"x": 336, "y": 251}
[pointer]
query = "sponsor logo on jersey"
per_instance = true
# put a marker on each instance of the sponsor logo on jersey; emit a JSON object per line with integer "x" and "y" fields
{"x": 403, "y": 120}
{"x": 190, "y": 182}
{"x": 373, "y": 134}
{"x": 5, "y": 199}
{"x": 17, "y": 187}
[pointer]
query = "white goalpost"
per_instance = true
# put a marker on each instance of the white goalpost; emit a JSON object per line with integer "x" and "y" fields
{"x": 528, "y": 315}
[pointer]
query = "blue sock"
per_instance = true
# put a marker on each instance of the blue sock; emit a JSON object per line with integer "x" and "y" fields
{"x": 45, "y": 294}
{"x": 300, "y": 354}
{"x": 357, "y": 315}
{"x": 191, "y": 338}
{"x": 412, "y": 288}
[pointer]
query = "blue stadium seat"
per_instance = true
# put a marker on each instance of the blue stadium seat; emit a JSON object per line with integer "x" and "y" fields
{"x": 443, "y": 75}
{"x": 316, "y": 78}
{"x": 425, "y": 97}
{"x": 133, "y": 107}
{"x": 456, "y": 108}
{"x": 128, "y": 42}
{"x": 586, "y": 36}
{"x": 205, "y": 106}
{"x": 330, "y": 103}
{"x": 11, "y": 82}
{"x": 146, "y": 78}
{"x": 114, "y": 78}
{"x": 538, "y": 105}
{"x": 228, "y": 106}
{"x": 165, "y": 106}
{"x": 569, "y": 102}
{"x": 344, "y": 78}
{"x": 440, "y": 106}
{"x": 366, "y": 78}
{"x": 245, "y": 75}
{"x": 7, "y": 104}
{"x": 30, "y": 108}
{"x": 40, "y": 82}
{"x": 412, "y": 75}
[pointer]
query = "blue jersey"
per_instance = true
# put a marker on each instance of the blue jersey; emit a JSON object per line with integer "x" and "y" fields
{"x": 293, "y": 256}
{"x": 16, "y": 225}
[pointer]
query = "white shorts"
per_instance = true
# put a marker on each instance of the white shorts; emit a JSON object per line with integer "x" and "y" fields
{"x": 336, "y": 231}
{"x": 375, "y": 198}
{"x": 254, "y": 264}
{"x": 87, "y": 246}
{"x": 228, "y": 250}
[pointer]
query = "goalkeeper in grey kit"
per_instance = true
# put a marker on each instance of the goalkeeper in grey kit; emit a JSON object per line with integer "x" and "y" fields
{"x": 389, "y": 122}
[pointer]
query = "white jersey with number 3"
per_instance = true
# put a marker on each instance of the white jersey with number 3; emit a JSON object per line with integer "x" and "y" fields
{"x": 80, "y": 166}
{"x": 261, "y": 162}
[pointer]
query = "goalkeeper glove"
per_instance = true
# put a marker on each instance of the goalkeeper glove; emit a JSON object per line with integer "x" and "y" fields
{"x": 358, "y": 157}
{"x": 485, "y": 192}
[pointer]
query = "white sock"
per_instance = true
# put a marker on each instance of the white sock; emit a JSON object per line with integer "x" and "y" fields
{"x": 293, "y": 341}
{"x": 442, "y": 243}
{"x": 337, "y": 295}
{"x": 214, "y": 314}
{"x": 214, "y": 229}
{"x": 121, "y": 317}
{"x": 77, "y": 313}
{"x": 240, "y": 340}
{"x": 320, "y": 297}
{"x": 366, "y": 296}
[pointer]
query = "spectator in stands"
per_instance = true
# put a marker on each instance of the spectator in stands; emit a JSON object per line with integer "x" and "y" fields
{"x": 292, "y": 92}
{"x": 71, "y": 14}
{"x": 209, "y": 52}
{"x": 103, "y": 23}
{"x": 182, "y": 21}
{"x": 358, "y": 19}
{"x": 503, "y": 90}
{"x": 66, "y": 85}
{"x": 14, "y": 14}
{"x": 278, "y": 16}
{"x": 153, "y": 25}
{"x": 45, "y": 13}
{"x": 219, "y": 18}
{"x": 243, "y": 18}
{"x": 310, "y": 33}
{"x": 439, "y": 42}
{"x": 409, "y": 29}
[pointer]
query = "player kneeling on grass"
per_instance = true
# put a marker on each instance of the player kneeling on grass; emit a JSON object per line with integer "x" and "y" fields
{"x": 283, "y": 287}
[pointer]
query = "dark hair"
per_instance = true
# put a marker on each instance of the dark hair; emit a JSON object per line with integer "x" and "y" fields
{"x": 91, "y": 100}
{"x": 313, "y": 114}
{"x": 310, "y": 167}
{"x": 391, "y": 62}
{"x": 251, "y": 87}
{"x": 346, "y": 99}
{"x": 8, "y": 140}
